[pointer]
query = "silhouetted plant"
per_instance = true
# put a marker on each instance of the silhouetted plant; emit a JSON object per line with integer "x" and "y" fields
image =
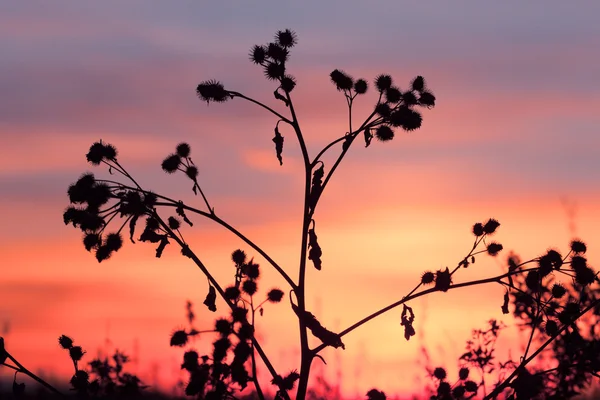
{"x": 97, "y": 204}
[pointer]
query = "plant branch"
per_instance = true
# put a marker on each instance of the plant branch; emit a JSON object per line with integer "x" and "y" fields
{"x": 494, "y": 279}
{"x": 237, "y": 94}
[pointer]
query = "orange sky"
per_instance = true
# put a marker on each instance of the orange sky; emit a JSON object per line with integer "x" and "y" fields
{"x": 513, "y": 136}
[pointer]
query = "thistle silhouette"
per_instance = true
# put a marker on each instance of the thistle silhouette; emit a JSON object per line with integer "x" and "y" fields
{"x": 551, "y": 311}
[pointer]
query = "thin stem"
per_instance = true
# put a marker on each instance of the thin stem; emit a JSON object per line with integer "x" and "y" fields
{"x": 417, "y": 295}
{"x": 305, "y": 353}
{"x": 237, "y": 94}
{"x": 298, "y": 131}
{"x": 33, "y": 376}
{"x": 523, "y": 363}
{"x": 254, "y": 376}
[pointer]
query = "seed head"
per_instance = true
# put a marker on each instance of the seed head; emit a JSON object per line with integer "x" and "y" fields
{"x": 440, "y": 373}
{"x": 173, "y": 223}
{"x": 232, "y": 293}
{"x": 179, "y": 338}
{"x": 478, "y": 229}
{"x": 418, "y": 84}
{"x": 76, "y": 353}
{"x": 383, "y": 82}
{"x": 427, "y": 278}
{"x": 341, "y": 80}
{"x": 65, "y": 342}
{"x": 494, "y": 248}
{"x": 192, "y": 172}
{"x": 427, "y": 99}
{"x": 384, "y": 133}
{"x": 463, "y": 373}
{"x": 249, "y": 286}
{"x": 360, "y": 86}
{"x": 258, "y": 54}
{"x": 577, "y": 246}
{"x": 490, "y": 226}
{"x": 558, "y": 291}
{"x": 238, "y": 257}
{"x": 212, "y": 90}
{"x": 171, "y": 163}
{"x": 393, "y": 94}
{"x": 183, "y": 150}
{"x": 288, "y": 83}
{"x": 275, "y": 295}
{"x": 114, "y": 241}
{"x": 286, "y": 38}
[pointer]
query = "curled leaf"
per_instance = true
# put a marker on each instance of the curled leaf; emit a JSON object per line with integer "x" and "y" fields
{"x": 316, "y": 187}
{"x": 278, "y": 96}
{"x": 407, "y": 319}
{"x": 368, "y": 137}
{"x": 505, "y": 303}
{"x": 161, "y": 247}
{"x": 211, "y": 298}
{"x": 278, "y": 140}
{"x": 314, "y": 253}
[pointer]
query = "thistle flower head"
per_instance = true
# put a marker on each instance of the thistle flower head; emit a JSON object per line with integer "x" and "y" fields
{"x": 275, "y": 295}
{"x": 288, "y": 83}
{"x": 65, "y": 342}
{"x": 463, "y": 373}
{"x": 427, "y": 99}
{"x": 251, "y": 270}
{"x": 286, "y": 38}
{"x": 558, "y": 290}
{"x": 393, "y": 94}
{"x": 232, "y": 293}
{"x": 494, "y": 248}
{"x": 173, "y": 223}
{"x": 212, "y": 90}
{"x": 440, "y": 373}
{"x": 360, "y": 86}
{"x": 179, "y": 338}
{"x": 384, "y": 133}
{"x": 427, "y": 278}
{"x": 277, "y": 53}
{"x": 249, "y": 286}
{"x": 223, "y": 326}
{"x": 409, "y": 98}
{"x": 183, "y": 150}
{"x": 418, "y": 84}
{"x": 490, "y": 226}
{"x": 114, "y": 241}
{"x": 76, "y": 353}
{"x": 258, "y": 54}
{"x": 101, "y": 151}
{"x": 383, "y": 109}
{"x": 478, "y": 229}
{"x": 238, "y": 257}
{"x": 341, "y": 80}
{"x": 577, "y": 246}
{"x": 274, "y": 71}
{"x": 91, "y": 241}
{"x": 171, "y": 163}
{"x": 383, "y": 82}
{"x": 192, "y": 172}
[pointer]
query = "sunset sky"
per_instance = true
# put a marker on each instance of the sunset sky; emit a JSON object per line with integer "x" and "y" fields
{"x": 514, "y": 136}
